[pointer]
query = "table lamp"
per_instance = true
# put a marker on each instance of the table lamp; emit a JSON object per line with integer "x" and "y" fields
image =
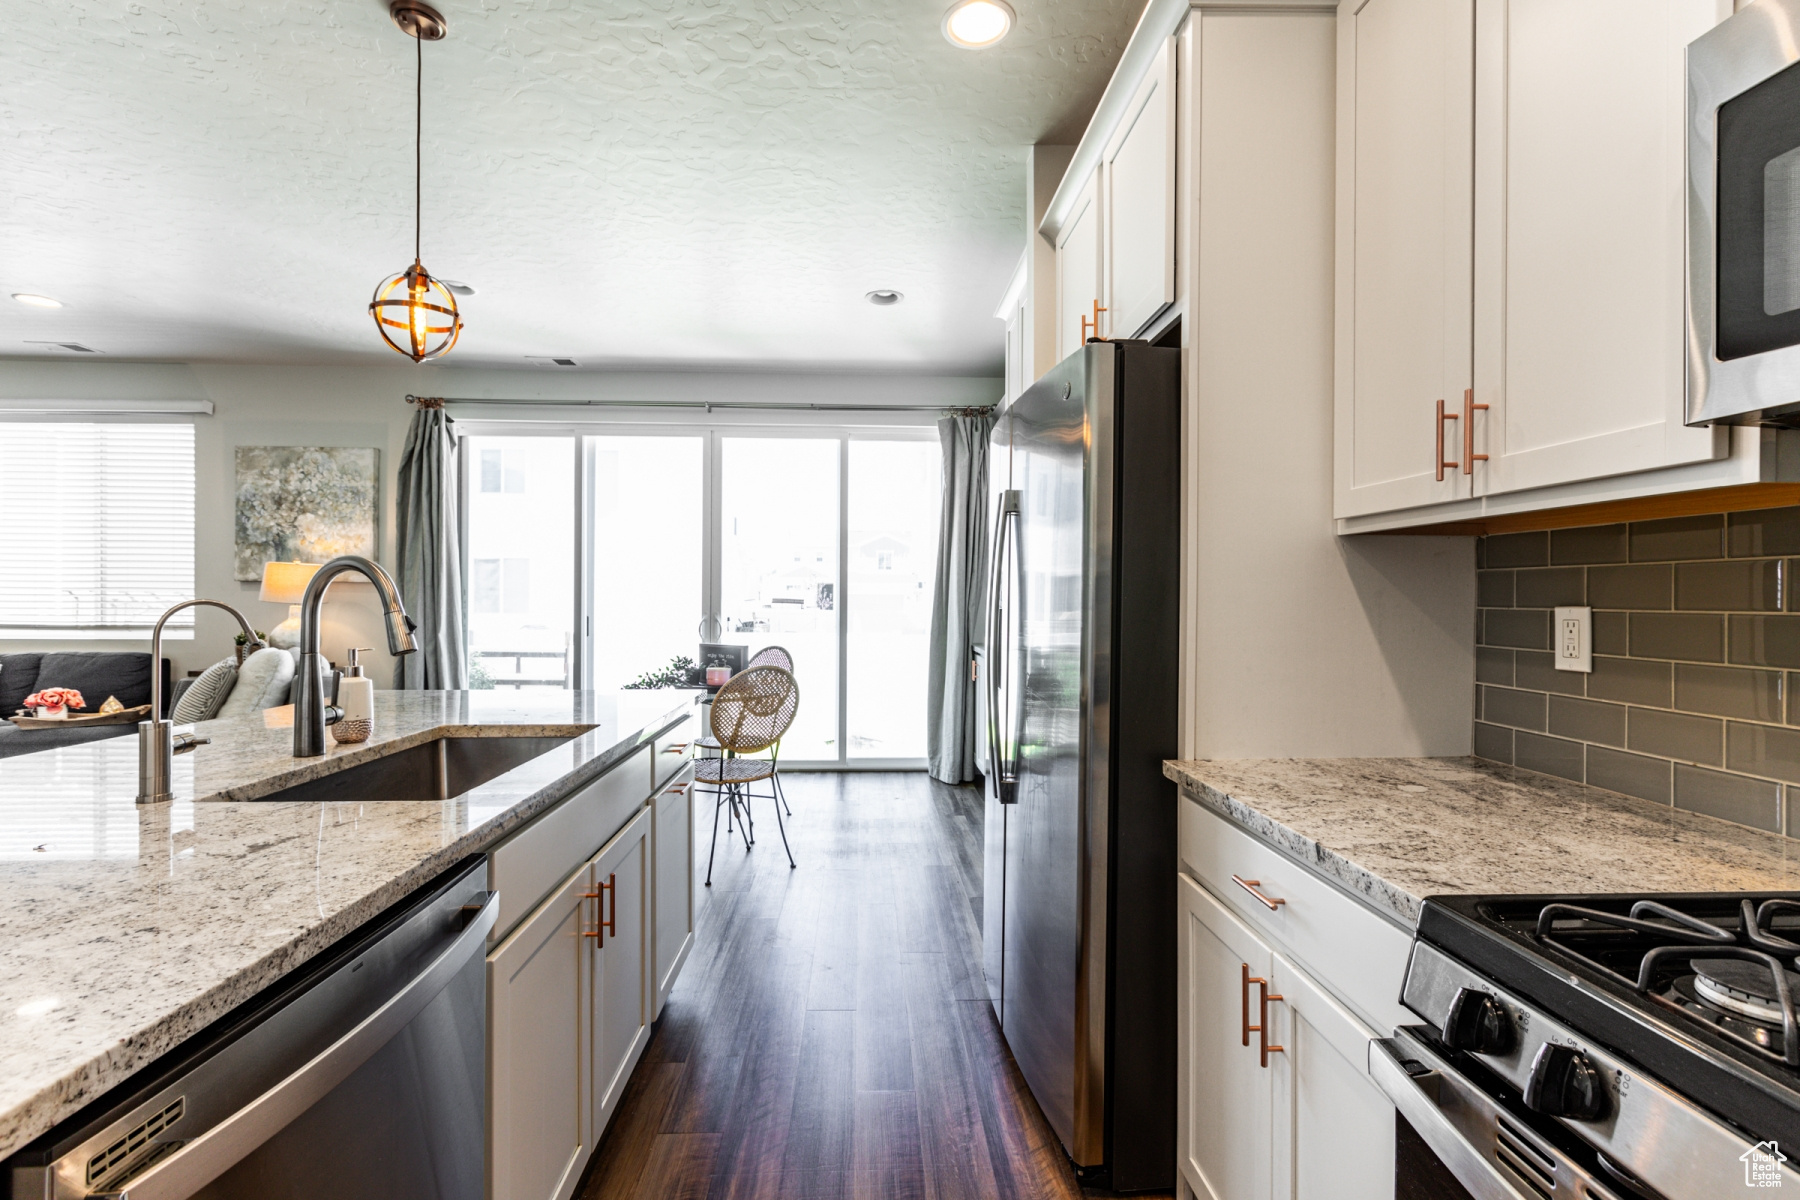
{"x": 285, "y": 583}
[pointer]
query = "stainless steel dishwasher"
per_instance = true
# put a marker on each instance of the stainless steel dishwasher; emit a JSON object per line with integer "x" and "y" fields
{"x": 360, "y": 1076}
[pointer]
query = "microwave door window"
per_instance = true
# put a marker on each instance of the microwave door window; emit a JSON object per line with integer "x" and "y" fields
{"x": 1759, "y": 218}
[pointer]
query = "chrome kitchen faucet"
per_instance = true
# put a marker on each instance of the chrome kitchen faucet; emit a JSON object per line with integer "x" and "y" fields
{"x": 156, "y": 737}
{"x": 310, "y": 715}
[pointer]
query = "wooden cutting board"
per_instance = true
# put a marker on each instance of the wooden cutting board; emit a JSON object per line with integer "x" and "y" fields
{"x": 128, "y": 716}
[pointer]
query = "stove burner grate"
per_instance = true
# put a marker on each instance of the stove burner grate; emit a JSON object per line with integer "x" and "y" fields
{"x": 1735, "y": 970}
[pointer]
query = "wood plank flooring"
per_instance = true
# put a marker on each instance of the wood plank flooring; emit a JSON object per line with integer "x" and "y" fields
{"x": 830, "y": 1035}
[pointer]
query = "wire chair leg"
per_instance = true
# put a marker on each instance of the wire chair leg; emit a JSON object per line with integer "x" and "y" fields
{"x": 717, "y": 800}
{"x": 744, "y": 826}
{"x": 784, "y": 842}
{"x": 781, "y": 793}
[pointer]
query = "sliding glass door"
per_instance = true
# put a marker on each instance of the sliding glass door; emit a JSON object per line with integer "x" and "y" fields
{"x": 823, "y": 542}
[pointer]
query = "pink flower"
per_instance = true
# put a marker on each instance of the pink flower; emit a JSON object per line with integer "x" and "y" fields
{"x": 55, "y": 698}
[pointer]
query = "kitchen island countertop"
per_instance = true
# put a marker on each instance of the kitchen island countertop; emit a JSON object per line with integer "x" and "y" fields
{"x": 1396, "y": 830}
{"x": 125, "y": 929}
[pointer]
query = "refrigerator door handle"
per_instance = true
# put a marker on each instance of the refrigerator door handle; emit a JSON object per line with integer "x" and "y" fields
{"x": 1005, "y": 768}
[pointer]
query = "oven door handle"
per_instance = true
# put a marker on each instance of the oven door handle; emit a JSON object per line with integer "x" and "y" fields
{"x": 220, "y": 1148}
{"x": 1416, "y": 1098}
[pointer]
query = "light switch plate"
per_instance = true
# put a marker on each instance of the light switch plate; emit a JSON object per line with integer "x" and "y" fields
{"x": 1572, "y": 637}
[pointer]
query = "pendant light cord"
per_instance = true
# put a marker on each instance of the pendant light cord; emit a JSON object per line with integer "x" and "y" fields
{"x": 418, "y": 141}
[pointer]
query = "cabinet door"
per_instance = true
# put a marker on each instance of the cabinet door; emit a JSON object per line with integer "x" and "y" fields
{"x": 1140, "y": 204}
{"x": 1224, "y": 1109}
{"x": 1078, "y": 271}
{"x": 1579, "y": 235}
{"x": 672, "y": 907}
{"x": 621, "y": 985}
{"x": 1334, "y": 1129}
{"x": 538, "y": 1076}
{"x": 1405, "y": 220}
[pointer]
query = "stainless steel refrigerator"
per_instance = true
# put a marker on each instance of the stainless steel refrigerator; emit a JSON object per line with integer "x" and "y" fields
{"x": 1080, "y": 658}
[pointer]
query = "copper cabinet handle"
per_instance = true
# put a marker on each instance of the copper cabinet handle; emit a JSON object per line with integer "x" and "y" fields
{"x": 1262, "y": 1021}
{"x": 1250, "y": 885}
{"x": 602, "y": 928}
{"x": 1095, "y": 323}
{"x": 1470, "y": 408}
{"x": 1261, "y": 1028}
{"x": 681, "y": 747}
{"x": 1442, "y": 462}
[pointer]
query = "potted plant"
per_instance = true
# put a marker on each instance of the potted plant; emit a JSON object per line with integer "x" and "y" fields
{"x": 53, "y": 704}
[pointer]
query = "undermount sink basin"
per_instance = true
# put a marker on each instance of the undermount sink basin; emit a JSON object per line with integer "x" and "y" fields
{"x": 434, "y": 770}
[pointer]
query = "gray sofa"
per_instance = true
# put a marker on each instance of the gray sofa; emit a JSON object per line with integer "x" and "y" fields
{"x": 96, "y": 674}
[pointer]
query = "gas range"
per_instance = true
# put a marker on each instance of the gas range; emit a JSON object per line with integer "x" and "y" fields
{"x": 1601, "y": 1047}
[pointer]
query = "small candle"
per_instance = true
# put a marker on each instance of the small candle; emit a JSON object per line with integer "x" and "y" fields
{"x": 717, "y": 676}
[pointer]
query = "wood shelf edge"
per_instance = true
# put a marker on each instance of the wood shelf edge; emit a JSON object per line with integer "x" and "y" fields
{"x": 1739, "y": 498}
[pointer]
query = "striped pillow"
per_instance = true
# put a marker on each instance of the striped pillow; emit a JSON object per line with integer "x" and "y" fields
{"x": 204, "y": 696}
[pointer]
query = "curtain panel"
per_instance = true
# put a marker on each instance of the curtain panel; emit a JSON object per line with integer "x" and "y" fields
{"x": 958, "y": 604}
{"x": 431, "y": 582}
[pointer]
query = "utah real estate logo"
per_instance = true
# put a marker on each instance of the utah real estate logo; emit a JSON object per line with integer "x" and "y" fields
{"x": 1762, "y": 1165}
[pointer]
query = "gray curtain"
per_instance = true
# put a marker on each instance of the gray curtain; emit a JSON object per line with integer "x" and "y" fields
{"x": 958, "y": 605}
{"x": 431, "y": 583}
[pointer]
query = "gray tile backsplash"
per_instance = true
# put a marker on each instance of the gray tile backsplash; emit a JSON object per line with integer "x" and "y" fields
{"x": 1692, "y": 700}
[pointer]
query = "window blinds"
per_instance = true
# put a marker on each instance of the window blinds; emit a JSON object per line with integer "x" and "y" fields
{"x": 96, "y": 527}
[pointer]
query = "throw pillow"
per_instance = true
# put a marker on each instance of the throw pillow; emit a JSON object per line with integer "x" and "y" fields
{"x": 262, "y": 682}
{"x": 203, "y": 697}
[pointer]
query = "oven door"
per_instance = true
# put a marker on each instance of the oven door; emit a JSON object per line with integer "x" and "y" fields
{"x": 1744, "y": 218}
{"x": 1458, "y": 1119}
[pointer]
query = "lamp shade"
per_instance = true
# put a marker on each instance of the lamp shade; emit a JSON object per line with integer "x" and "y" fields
{"x": 285, "y": 582}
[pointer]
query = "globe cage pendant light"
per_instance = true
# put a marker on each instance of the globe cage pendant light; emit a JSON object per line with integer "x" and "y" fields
{"x": 413, "y": 305}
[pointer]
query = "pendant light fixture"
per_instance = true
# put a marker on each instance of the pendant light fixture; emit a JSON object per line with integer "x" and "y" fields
{"x": 414, "y": 313}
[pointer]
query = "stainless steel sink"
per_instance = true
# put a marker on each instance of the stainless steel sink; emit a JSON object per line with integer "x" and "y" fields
{"x": 434, "y": 770}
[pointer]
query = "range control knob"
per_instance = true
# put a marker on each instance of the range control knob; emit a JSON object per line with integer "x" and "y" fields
{"x": 1479, "y": 1024}
{"x": 1564, "y": 1082}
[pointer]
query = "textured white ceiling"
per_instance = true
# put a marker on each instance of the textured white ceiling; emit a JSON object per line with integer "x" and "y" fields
{"x": 659, "y": 182}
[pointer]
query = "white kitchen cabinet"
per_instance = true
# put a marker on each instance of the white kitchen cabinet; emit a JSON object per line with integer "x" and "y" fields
{"x": 1078, "y": 272}
{"x": 540, "y": 1127}
{"x": 1333, "y": 1128}
{"x": 1404, "y": 258}
{"x": 1225, "y": 1116}
{"x": 1138, "y": 172}
{"x": 672, "y": 882}
{"x": 619, "y": 965}
{"x": 1579, "y": 247}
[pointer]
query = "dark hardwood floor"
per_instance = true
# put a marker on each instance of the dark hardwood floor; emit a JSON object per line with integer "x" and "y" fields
{"x": 830, "y": 1036}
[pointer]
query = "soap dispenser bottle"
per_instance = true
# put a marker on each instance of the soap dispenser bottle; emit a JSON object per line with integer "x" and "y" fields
{"x": 356, "y": 696}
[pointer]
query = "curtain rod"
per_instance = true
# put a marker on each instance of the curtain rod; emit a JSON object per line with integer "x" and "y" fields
{"x": 710, "y": 405}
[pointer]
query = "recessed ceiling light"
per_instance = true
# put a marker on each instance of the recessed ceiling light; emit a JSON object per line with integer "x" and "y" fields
{"x": 884, "y": 296}
{"x": 36, "y": 301}
{"x": 976, "y": 24}
{"x": 461, "y": 289}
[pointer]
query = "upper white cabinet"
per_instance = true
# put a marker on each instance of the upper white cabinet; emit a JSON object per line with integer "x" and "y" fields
{"x": 1510, "y": 235}
{"x": 1138, "y": 177}
{"x": 1405, "y": 265}
{"x": 1078, "y": 271}
{"x": 1579, "y": 250}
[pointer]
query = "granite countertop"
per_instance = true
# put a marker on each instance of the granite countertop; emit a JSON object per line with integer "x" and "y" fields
{"x": 124, "y": 929}
{"x": 1396, "y": 830}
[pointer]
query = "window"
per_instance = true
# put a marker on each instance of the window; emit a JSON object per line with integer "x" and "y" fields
{"x": 98, "y": 535}
{"x": 521, "y": 580}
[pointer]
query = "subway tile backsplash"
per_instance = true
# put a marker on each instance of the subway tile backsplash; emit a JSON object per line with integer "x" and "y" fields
{"x": 1694, "y": 699}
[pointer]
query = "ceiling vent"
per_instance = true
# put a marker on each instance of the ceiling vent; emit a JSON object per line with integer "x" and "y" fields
{"x": 542, "y": 361}
{"x": 64, "y": 347}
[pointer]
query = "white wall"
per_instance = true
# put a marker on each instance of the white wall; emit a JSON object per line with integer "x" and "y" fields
{"x": 365, "y": 406}
{"x": 1297, "y": 642}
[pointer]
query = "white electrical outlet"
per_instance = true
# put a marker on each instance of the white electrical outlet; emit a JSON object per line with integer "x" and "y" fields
{"x": 1573, "y": 635}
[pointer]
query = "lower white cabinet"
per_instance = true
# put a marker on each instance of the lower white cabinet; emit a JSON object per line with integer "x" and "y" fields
{"x": 539, "y": 1065}
{"x": 1301, "y": 1121}
{"x": 569, "y": 998}
{"x": 619, "y": 961}
{"x": 672, "y": 882}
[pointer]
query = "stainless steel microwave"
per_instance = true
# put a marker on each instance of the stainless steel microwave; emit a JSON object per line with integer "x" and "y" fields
{"x": 1743, "y": 218}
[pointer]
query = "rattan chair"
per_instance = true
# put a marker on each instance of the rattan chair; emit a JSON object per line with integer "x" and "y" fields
{"x": 768, "y": 656}
{"x": 749, "y": 715}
